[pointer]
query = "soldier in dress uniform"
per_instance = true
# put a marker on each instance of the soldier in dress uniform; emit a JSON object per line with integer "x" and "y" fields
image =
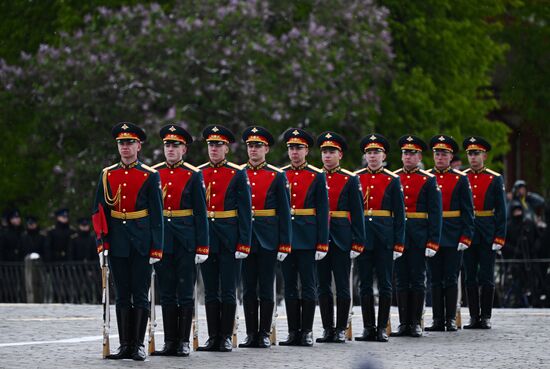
{"x": 309, "y": 210}
{"x": 185, "y": 239}
{"x": 270, "y": 236}
{"x": 456, "y": 233}
{"x": 422, "y": 233}
{"x": 385, "y": 234}
{"x": 346, "y": 237}
{"x": 230, "y": 222}
{"x": 489, "y": 235}
{"x": 11, "y": 243}
{"x": 130, "y": 196}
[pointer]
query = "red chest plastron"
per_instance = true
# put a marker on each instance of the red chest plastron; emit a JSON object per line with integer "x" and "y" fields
{"x": 447, "y": 183}
{"x": 130, "y": 181}
{"x": 216, "y": 181}
{"x": 374, "y": 187}
{"x": 260, "y": 181}
{"x": 300, "y": 181}
{"x": 412, "y": 185}
{"x": 173, "y": 182}
{"x": 335, "y": 183}
{"x": 480, "y": 183}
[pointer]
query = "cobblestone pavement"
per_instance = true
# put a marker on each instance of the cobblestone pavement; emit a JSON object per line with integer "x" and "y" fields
{"x": 69, "y": 336}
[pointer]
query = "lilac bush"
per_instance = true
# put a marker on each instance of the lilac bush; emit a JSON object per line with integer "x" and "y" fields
{"x": 233, "y": 62}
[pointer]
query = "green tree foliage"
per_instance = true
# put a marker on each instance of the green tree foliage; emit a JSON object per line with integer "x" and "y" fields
{"x": 525, "y": 77}
{"x": 445, "y": 53}
{"x": 236, "y": 63}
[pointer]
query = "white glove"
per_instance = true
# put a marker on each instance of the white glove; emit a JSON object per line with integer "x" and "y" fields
{"x": 353, "y": 254}
{"x": 200, "y": 258}
{"x": 496, "y": 247}
{"x": 461, "y": 247}
{"x": 429, "y": 253}
{"x": 102, "y": 256}
{"x": 397, "y": 254}
{"x": 153, "y": 260}
{"x": 240, "y": 255}
{"x": 34, "y": 256}
{"x": 319, "y": 255}
{"x": 281, "y": 256}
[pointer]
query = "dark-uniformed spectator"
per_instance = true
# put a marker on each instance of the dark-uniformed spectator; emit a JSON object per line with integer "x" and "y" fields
{"x": 82, "y": 244}
{"x": 33, "y": 239}
{"x": 11, "y": 239}
{"x": 532, "y": 203}
{"x": 58, "y": 238}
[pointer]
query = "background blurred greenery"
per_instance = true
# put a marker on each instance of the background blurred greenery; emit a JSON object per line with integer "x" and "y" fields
{"x": 72, "y": 69}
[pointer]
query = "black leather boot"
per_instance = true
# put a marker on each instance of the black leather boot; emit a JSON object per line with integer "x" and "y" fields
{"x": 342, "y": 315}
{"x": 141, "y": 316}
{"x": 227, "y": 323}
{"x": 124, "y": 317}
{"x": 473, "y": 307}
{"x": 213, "y": 322}
{"x": 369, "y": 327}
{"x": 384, "y": 306}
{"x": 308, "y": 314}
{"x": 451, "y": 296}
{"x": 326, "y": 306}
{"x": 487, "y": 296}
{"x": 251, "y": 319}
{"x": 416, "y": 307}
{"x": 170, "y": 323}
{"x": 184, "y": 327}
{"x": 404, "y": 328}
{"x": 293, "y": 316}
{"x": 438, "y": 309}
{"x": 266, "y": 316}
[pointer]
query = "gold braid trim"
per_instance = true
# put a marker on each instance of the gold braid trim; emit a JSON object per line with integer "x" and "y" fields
{"x": 111, "y": 201}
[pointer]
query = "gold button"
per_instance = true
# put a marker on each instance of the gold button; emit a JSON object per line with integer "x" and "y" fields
{"x": 293, "y": 195}
{"x": 169, "y": 208}
{"x": 169, "y": 195}
{"x": 215, "y": 171}
{"x": 255, "y": 173}
{"x": 292, "y": 211}
{"x": 123, "y": 196}
{"x": 214, "y": 195}
{"x": 213, "y": 182}
{"x": 124, "y": 184}
{"x": 253, "y": 195}
{"x": 169, "y": 183}
{"x": 125, "y": 172}
{"x": 123, "y": 210}
{"x": 171, "y": 172}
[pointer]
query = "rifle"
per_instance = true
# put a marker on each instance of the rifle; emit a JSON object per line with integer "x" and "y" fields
{"x": 106, "y": 306}
{"x": 349, "y": 331}
{"x": 153, "y": 315}
{"x": 99, "y": 222}
{"x": 273, "y": 336}
{"x": 459, "y": 302}
{"x": 235, "y": 328}
{"x": 196, "y": 318}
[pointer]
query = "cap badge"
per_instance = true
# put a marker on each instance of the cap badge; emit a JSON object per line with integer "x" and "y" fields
{"x": 124, "y": 126}
{"x": 372, "y": 138}
{"x": 473, "y": 139}
{"x": 410, "y": 139}
{"x": 254, "y": 130}
{"x": 172, "y": 129}
{"x": 295, "y": 132}
{"x": 441, "y": 138}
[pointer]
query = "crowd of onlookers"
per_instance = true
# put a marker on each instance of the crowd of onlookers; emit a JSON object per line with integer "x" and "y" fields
{"x": 21, "y": 236}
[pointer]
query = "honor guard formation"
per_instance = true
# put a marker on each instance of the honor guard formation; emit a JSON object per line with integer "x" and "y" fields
{"x": 236, "y": 222}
